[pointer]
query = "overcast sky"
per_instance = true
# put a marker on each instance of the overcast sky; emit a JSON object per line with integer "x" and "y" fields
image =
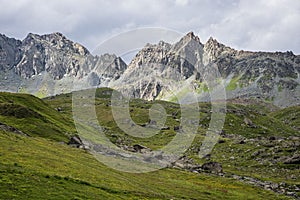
{"x": 260, "y": 25}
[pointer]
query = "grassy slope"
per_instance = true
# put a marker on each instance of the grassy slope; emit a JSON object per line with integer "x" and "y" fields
{"x": 289, "y": 116}
{"x": 42, "y": 168}
{"x": 236, "y": 158}
{"x": 36, "y": 168}
{"x": 34, "y": 117}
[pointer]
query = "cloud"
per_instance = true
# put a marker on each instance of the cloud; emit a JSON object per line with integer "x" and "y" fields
{"x": 243, "y": 24}
{"x": 181, "y": 2}
{"x": 267, "y": 25}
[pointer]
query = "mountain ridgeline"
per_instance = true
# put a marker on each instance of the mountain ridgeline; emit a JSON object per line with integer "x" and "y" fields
{"x": 51, "y": 64}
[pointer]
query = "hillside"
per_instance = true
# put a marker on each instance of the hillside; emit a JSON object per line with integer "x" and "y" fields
{"x": 257, "y": 151}
{"x": 35, "y": 168}
{"x": 33, "y": 117}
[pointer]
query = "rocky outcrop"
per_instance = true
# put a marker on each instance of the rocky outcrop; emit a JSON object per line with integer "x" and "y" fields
{"x": 11, "y": 129}
{"x": 77, "y": 142}
{"x": 280, "y": 188}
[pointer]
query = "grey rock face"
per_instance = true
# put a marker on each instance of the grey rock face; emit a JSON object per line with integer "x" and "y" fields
{"x": 109, "y": 66}
{"x": 53, "y": 53}
{"x": 161, "y": 68}
{"x": 50, "y": 64}
{"x": 165, "y": 68}
{"x": 93, "y": 79}
{"x": 271, "y": 76}
{"x": 9, "y": 52}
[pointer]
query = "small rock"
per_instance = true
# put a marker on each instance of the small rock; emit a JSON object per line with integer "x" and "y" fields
{"x": 176, "y": 128}
{"x": 213, "y": 167}
{"x": 141, "y": 149}
{"x": 221, "y": 141}
{"x": 152, "y": 122}
{"x": 59, "y": 109}
{"x": 293, "y": 160}
{"x": 272, "y": 138}
{"x": 242, "y": 142}
{"x": 75, "y": 141}
{"x": 207, "y": 156}
{"x": 291, "y": 193}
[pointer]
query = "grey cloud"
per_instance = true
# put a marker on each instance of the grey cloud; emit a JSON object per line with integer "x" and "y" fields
{"x": 244, "y": 24}
{"x": 267, "y": 25}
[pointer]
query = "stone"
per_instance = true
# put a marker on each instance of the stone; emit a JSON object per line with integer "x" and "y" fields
{"x": 272, "y": 138}
{"x": 249, "y": 122}
{"x": 177, "y": 128}
{"x": 293, "y": 160}
{"x": 75, "y": 141}
{"x": 59, "y": 109}
{"x": 213, "y": 167}
{"x": 140, "y": 148}
{"x": 221, "y": 141}
{"x": 242, "y": 142}
{"x": 11, "y": 129}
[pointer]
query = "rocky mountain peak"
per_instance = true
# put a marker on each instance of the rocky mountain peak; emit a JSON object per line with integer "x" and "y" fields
{"x": 3, "y": 37}
{"x": 164, "y": 44}
{"x": 213, "y": 49}
{"x": 151, "y": 53}
{"x": 189, "y": 48}
{"x": 191, "y": 35}
{"x": 4, "y": 40}
{"x": 55, "y": 37}
{"x": 213, "y": 44}
{"x": 189, "y": 41}
{"x": 54, "y": 40}
{"x": 45, "y": 59}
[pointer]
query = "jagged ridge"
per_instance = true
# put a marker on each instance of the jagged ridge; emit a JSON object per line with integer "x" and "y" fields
{"x": 51, "y": 64}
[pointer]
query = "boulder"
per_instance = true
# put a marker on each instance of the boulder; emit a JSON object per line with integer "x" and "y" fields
{"x": 213, "y": 167}
{"x": 140, "y": 148}
{"x": 293, "y": 160}
{"x": 11, "y": 129}
{"x": 249, "y": 123}
{"x": 75, "y": 141}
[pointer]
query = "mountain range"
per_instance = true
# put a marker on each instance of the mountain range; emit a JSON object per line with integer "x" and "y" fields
{"x": 46, "y": 65}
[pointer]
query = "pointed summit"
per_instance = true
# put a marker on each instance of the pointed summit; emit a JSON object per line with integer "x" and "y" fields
{"x": 213, "y": 45}
{"x": 191, "y": 35}
{"x": 189, "y": 41}
{"x": 213, "y": 42}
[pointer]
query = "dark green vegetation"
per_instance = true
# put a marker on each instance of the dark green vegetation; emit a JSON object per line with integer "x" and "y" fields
{"x": 256, "y": 141}
{"x": 34, "y": 117}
